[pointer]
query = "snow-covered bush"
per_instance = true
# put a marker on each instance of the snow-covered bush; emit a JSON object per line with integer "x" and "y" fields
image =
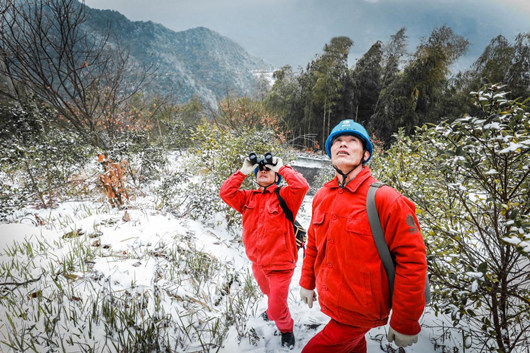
{"x": 38, "y": 156}
{"x": 220, "y": 152}
{"x": 470, "y": 181}
{"x": 12, "y": 197}
{"x": 324, "y": 175}
{"x": 170, "y": 191}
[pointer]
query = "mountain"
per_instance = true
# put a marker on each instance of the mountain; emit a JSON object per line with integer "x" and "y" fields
{"x": 196, "y": 62}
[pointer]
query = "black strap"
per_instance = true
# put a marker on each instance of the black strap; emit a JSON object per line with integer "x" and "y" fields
{"x": 379, "y": 237}
{"x": 285, "y": 209}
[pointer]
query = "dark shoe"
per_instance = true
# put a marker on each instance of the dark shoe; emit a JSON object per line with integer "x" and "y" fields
{"x": 288, "y": 340}
{"x": 264, "y": 316}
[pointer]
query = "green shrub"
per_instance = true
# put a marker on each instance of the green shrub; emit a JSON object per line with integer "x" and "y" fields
{"x": 40, "y": 156}
{"x": 219, "y": 152}
{"x": 470, "y": 182}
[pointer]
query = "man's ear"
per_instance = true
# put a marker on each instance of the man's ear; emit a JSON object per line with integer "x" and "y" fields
{"x": 366, "y": 156}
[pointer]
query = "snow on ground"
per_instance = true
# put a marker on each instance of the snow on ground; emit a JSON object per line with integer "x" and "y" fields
{"x": 128, "y": 259}
{"x": 151, "y": 228}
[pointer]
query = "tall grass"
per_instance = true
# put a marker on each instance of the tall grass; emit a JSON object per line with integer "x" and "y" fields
{"x": 52, "y": 299}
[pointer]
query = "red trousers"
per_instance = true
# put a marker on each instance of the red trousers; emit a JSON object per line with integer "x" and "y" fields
{"x": 338, "y": 338}
{"x": 275, "y": 285}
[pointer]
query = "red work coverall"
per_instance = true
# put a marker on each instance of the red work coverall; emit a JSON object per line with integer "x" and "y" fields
{"x": 268, "y": 236}
{"x": 343, "y": 264}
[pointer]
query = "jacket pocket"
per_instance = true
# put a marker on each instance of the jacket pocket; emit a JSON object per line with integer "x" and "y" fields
{"x": 359, "y": 226}
{"x": 249, "y": 206}
{"x": 318, "y": 225}
{"x": 249, "y": 214}
{"x": 318, "y": 218}
{"x": 273, "y": 209}
{"x": 368, "y": 292}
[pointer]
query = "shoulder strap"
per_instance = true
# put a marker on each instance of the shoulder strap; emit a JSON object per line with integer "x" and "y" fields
{"x": 285, "y": 209}
{"x": 379, "y": 237}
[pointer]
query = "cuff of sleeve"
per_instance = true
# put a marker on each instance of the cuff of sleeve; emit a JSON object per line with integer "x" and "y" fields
{"x": 307, "y": 284}
{"x": 406, "y": 327}
{"x": 282, "y": 168}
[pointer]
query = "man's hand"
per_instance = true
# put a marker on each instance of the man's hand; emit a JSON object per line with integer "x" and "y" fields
{"x": 277, "y": 163}
{"x": 401, "y": 339}
{"x": 247, "y": 167}
{"x": 308, "y": 296}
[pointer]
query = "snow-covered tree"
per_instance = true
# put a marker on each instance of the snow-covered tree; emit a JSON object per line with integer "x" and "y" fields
{"x": 470, "y": 181}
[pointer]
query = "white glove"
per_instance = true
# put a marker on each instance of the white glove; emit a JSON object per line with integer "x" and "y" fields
{"x": 278, "y": 163}
{"x": 401, "y": 339}
{"x": 308, "y": 296}
{"x": 247, "y": 167}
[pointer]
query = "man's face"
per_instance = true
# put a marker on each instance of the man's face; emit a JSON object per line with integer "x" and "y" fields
{"x": 266, "y": 177}
{"x": 347, "y": 152}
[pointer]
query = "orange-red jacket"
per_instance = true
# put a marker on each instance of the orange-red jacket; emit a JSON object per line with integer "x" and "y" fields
{"x": 268, "y": 235}
{"x": 343, "y": 264}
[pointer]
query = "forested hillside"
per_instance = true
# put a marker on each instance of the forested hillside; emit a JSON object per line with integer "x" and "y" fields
{"x": 197, "y": 62}
{"x": 455, "y": 143}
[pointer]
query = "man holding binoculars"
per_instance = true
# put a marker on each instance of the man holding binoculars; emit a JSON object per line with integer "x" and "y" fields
{"x": 268, "y": 235}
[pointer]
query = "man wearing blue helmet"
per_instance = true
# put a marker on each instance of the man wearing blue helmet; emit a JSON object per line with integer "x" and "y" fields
{"x": 346, "y": 131}
{"x": 268, "y": 235}
{"x": 342, "y": 262}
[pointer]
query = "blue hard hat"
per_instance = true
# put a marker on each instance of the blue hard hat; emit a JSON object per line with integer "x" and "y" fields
{"x": 350, "y": 127}
{"x": 279, "y": 176}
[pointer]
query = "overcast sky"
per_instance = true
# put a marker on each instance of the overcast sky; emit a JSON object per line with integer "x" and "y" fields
{"x": 294, "y": 31}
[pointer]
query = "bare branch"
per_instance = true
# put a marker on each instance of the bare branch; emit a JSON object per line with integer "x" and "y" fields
{"x": 47, "y": 47}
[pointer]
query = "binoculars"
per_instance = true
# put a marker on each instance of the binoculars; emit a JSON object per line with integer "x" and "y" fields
{"x": 267, "y": 159}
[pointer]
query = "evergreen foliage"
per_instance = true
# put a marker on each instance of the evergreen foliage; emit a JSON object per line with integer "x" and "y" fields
{"x": 389, "y": 89}
{"x": 503, "y": 63}
{"x": 413, "y": 98}
{"x": 381, "y": 91}
{"x": 367, "y": 76}
{"x": 38, "y": 158}
{"x": 284, "y": 100}
{"x": 220, "y": 152}
{"x": 380, "y": 122}
{"x": 470, "y": 181}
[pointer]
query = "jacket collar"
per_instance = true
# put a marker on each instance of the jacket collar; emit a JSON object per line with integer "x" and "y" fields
{"x": 353, "y": 185}
{"x": 268, "y": 189}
